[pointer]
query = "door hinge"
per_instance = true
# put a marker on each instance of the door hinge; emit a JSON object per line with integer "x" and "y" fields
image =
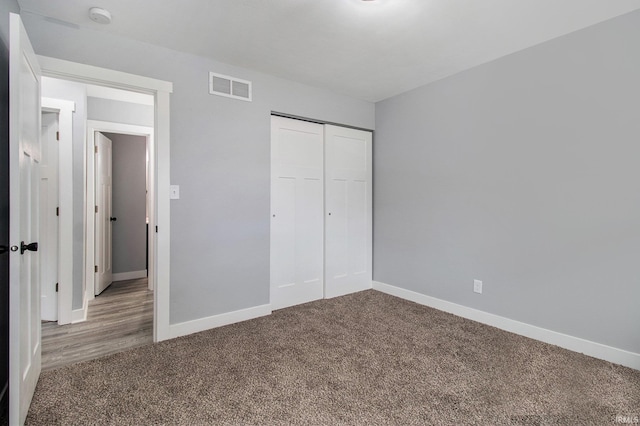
{"x": 156, "y": 229}
{"x": 96, "y": 149}
{"x": 95, "y": 268}
{"x": 56, "y": 287}
{"x": 57, "y": 136}
{"x": 57, "y": 211}
{"x": 96, "y": 209}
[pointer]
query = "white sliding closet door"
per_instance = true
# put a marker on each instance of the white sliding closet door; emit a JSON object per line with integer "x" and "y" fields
{"x": 297, "y": 231}
{"x": 348, "y": 205}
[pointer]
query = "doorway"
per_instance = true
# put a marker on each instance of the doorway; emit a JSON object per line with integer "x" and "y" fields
{"x": 122, "y": 219}
{"x": 159, "y": 218}
{"x": 130, "y": 144}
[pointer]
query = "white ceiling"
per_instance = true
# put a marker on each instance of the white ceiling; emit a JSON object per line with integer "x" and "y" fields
{"x": 369, "y": 50}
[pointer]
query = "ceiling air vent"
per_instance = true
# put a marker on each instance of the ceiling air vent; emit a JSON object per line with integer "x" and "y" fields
{"x": 230, "y": 87}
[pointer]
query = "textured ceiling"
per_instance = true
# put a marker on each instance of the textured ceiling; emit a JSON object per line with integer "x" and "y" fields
{"x": 369, "y": 50}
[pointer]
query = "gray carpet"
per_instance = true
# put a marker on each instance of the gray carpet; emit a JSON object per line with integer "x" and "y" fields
{"x": 366, "y": 358}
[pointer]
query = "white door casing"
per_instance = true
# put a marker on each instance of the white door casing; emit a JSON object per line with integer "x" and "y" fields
{"x": 48, "y": 243}
{"x": 348, "y": 205}
{"x": 296, "y": 212}
{"x": 104, "y": 182}
{"x": 159, "y": 169}
{"x": 24, "y": 155}
{"x": 64, "y": 111}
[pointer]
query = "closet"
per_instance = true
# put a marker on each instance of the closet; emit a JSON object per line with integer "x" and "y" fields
{"x": 321, "y": 211}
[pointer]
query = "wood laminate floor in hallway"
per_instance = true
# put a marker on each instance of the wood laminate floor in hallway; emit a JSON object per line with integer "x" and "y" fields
{"x": 120, "y": 318}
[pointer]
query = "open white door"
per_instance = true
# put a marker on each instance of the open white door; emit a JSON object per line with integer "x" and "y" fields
{"x": 104, "y": 181}
{"x": 24, "y": 273}
{"x": 49, "y": 217}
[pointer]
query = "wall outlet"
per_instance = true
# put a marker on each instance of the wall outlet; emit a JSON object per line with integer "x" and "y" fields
{"x": 477, "y": 286}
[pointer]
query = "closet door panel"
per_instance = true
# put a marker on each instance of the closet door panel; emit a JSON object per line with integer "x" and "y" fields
{"x": 297, "y": 229}
{"x": 348, "y": 205}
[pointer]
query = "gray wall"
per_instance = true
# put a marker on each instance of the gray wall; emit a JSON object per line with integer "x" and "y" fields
{"x": 75, "y": 92}
{"x": 119, "y": 112}
{"x": 524, "y": 173}
{"x": 129, "y": 202}
{"x": 6, "y": 7}
{"x": 220, "y": 156}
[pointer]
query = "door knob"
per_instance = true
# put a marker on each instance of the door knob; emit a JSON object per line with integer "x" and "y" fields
{"x": 31, "y": 247}
{"x": 113, "y": 219}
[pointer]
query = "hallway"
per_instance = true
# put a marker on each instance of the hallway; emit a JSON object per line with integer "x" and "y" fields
{"x": 120, "y": 318}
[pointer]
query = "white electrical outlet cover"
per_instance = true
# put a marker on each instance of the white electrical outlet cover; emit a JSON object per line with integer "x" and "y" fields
{"x": 174, "y": 192}
{"x": 477, "y": 286}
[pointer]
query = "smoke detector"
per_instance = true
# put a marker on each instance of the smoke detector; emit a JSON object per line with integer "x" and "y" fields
{"x": 100, "y": 15}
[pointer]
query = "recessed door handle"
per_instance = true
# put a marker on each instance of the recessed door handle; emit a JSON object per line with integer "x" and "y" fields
{"x": 113, "y": 219}
{"x": 31, "y": 247}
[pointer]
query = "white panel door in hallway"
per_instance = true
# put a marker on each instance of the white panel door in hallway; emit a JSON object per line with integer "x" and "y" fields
{"x": 348, "y": 204}
{"x": 24, "y": 268}
{"x": 296, "y": 212}
{"x": 104, "y": 219}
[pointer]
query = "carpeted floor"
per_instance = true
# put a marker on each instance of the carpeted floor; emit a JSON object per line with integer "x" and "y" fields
{"x": 366, "y": 358}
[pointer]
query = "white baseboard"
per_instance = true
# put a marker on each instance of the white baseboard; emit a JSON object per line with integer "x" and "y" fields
{"x": 132, "y": 275}
{"x": 576, "y": 344}
{"x": 202, "y": 324}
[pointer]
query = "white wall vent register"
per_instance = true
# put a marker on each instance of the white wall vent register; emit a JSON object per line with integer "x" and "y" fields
{"x": 230, "y": 87}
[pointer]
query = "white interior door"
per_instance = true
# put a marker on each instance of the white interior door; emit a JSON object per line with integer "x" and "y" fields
{"x": 49, "y": 217}
{"x": 104, "y": 181}
{"x": 348, "y": 204}
{"x": 24, "y": 273}
{"x": 297, "y": 212}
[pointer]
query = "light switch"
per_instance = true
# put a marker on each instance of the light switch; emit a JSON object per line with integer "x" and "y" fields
{"x": 174, "y": 192}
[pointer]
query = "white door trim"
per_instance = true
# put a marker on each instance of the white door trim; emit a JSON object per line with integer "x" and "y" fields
{"x": 83, "y": 73}
{"x": 65, "y": 110}
{"x": 160, "y": 160}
